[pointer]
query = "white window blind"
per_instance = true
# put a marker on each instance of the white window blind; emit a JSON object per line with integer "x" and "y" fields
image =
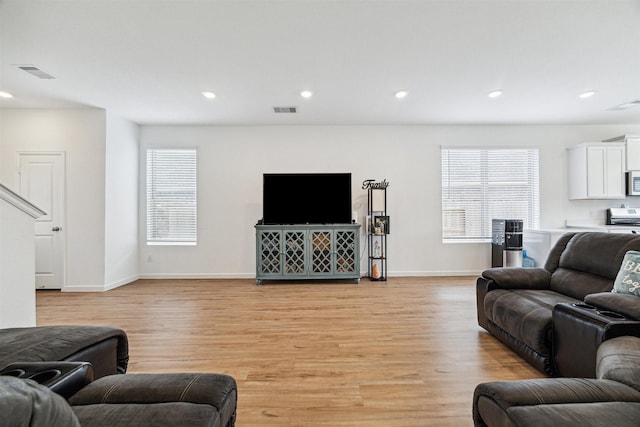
{"x": 479, "y": 184}
{"x": 171, "y": 197}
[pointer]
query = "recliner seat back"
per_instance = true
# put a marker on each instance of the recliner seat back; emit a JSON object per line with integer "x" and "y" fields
{"x": 587, "y": 263}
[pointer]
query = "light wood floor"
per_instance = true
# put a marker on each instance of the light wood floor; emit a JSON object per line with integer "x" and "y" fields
{"x": 407, "y": 352}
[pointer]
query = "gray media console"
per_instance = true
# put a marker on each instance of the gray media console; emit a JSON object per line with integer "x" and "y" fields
{"x": 299, "y": 252}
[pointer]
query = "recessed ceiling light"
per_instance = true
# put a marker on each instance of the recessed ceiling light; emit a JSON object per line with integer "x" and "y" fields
{"x": 209, "y": 95}
{"x": 495, "y": 93}
{"x": 587, "y": 94}
{"x": 306, "y": 94}
{"x": 401, "y": 94}
{"x": 5, "y": 95}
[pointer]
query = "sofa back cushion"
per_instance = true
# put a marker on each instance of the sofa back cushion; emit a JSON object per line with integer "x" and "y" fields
{"x": 590, "y": 262}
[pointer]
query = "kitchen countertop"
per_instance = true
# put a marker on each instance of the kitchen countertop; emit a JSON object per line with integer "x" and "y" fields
{"x": 602, "y": 227}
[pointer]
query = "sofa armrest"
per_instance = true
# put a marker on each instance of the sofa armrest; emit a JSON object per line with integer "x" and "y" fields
{"x": 518, "y": 278}
{"x": 627, "y": 305}
{"x": 64, "y": 378}
{"x": 507, "y": 278}
{"x": 619, "y": 360}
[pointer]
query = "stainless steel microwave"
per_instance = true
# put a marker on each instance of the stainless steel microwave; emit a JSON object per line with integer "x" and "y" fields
{"x": 633, "y": 183}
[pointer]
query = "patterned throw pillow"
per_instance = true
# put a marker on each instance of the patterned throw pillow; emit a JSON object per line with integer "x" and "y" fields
{"x": 628, "y": 278}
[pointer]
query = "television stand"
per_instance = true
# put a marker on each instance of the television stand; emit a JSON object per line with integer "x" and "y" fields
{"x": 304, "y": 251}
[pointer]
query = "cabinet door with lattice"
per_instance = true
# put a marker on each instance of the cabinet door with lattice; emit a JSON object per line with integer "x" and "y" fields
{"x": 345, "y": 252}
{"x": 269, "y": 250}
{"x": 294, "y": 252}
{"x": 321, "y": 252}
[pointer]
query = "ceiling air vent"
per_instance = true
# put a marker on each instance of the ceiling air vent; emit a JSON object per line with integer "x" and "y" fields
{"x": 35, "y": 71}
{"x": 627, "y": 105}
{"x": 291, "y": 110}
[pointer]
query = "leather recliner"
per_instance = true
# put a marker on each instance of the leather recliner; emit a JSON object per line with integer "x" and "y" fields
{"x": 131, "y": 400}
{"x": 613, "y": 399}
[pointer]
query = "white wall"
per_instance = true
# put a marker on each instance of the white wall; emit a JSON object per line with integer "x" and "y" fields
{"x": 102, "y": 190}
{"x": 232, "y": 160}
{"x": 17, "y": 261}
{"x": 121, "y": 202}
{"x": 81, "y": 134}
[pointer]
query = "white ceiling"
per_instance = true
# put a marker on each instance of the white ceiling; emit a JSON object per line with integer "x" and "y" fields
{"x": 148, "y": 61}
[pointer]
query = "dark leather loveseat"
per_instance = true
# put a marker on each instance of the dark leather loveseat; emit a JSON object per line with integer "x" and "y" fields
{"x": 613, "y": 399}
{"x": 521, "y": 306}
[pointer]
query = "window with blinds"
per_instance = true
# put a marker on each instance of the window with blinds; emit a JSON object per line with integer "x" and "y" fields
{"x": 171, "y": 197}
{"x": 479, "y": 184}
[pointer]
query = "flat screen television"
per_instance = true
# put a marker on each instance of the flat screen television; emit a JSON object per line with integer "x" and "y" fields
{"x": 306, "y": 198}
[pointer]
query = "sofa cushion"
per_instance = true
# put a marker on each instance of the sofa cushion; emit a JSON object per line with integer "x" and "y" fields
{"x": 578, "y": 284}
{"x": 170, "y": 414}
{"x": 524, "y": 314}
{"x": 217, "y": 390}
{"x": 600, "y": 254}
{"x": 618, "y": 359}
{"x": 590, "y": 262}
{"x": 628, "y": 278}
{"x": 596, "y": 414}
{"x": 29, "y": 404}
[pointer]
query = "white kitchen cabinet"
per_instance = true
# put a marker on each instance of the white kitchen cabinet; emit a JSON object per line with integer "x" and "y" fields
{"x": 632, "y": 154}
{"x": 596, "y": 171}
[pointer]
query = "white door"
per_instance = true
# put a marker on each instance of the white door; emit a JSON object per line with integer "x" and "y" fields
{"x": 42, "y": 183}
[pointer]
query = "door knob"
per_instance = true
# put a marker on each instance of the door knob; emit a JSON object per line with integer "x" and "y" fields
{"x": 55, "y": 229}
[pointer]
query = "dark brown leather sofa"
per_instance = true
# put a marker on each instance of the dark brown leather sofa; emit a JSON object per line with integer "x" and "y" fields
{"x": 613, "y": 399}
{"x": 518, "y": 305}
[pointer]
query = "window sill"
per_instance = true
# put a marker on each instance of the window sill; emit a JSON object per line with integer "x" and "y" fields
{"x": 172, "y": 243}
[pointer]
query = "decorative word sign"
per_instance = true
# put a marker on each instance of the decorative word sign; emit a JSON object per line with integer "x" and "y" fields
{"x": 370, "y": 183}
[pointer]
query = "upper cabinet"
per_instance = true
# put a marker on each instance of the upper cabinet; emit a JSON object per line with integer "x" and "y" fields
{"x": 632, "y": 144}
{"x": 596, "y": 171}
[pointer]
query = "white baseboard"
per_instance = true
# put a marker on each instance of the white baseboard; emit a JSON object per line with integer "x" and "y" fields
{"x": 121, "y": 282}
{"x": 434, "y": 273}
{"x": 101, "y": 288}
{"x": 198, "y": 276}
{"x": 70, "y": 288}
{"x": 253, "y": 276}
{"x": 178, "y": 276}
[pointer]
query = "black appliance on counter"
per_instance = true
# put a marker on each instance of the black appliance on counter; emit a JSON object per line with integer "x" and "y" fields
{"x": 623, "y": 216}
{"x": 506, "y": 242}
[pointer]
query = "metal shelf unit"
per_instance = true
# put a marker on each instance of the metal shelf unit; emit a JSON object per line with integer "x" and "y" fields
{"x": 377, "y": 229}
